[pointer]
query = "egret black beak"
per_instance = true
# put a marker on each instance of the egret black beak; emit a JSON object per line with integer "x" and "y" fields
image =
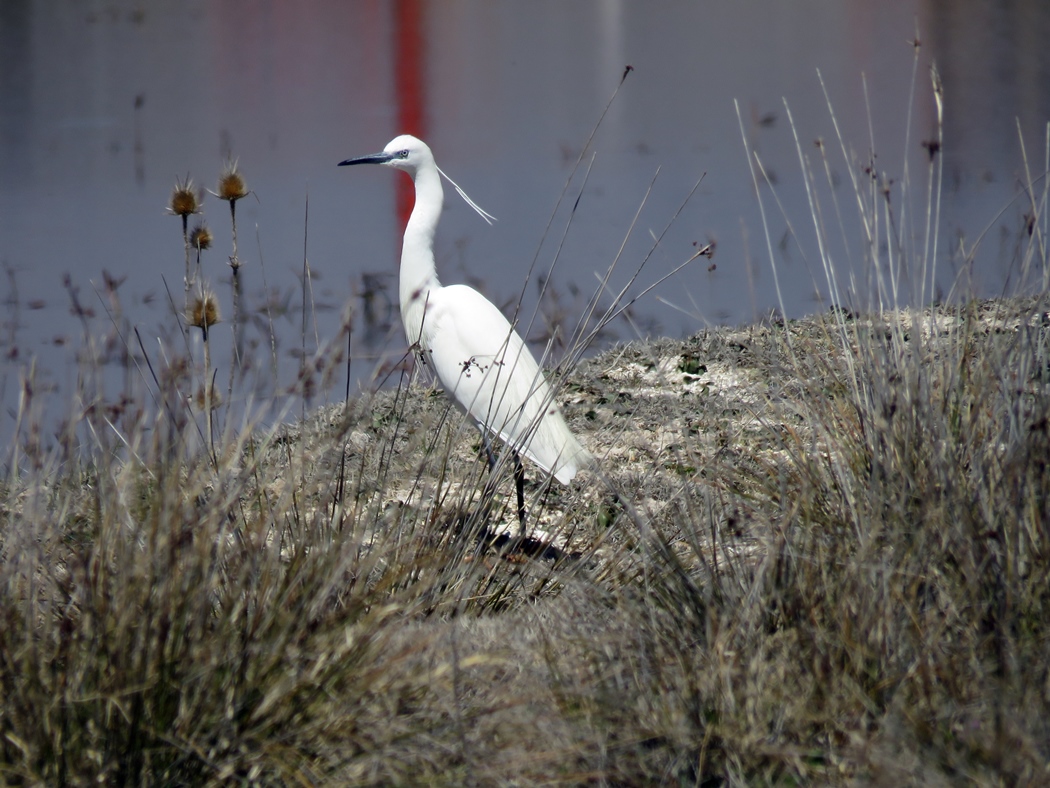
{"x": 375, "y": 158}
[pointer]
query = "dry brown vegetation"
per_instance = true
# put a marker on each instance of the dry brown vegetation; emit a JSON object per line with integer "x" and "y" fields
{"x": 833, "y": 566}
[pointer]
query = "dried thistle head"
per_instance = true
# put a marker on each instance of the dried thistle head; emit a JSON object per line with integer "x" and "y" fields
{"x": 200, "y": 237}
{"x": 203, "y": 311}
{"x": 231, "y": 183}
{"x": 185, "y": 200}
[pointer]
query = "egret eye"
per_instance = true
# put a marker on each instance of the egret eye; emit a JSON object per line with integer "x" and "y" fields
{"x": 402, "y": 154}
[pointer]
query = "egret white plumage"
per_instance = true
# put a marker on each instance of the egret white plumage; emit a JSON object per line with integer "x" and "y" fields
{"x": 477, "y": 356}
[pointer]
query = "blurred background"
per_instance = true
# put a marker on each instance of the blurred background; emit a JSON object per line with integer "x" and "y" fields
{"x": 104, "y": 104}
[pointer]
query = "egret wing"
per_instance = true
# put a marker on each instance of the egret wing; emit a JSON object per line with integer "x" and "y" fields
{"x": 486, "y": 367}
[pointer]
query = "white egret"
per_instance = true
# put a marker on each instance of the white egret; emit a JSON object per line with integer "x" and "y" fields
{"x": 478, "y": 357}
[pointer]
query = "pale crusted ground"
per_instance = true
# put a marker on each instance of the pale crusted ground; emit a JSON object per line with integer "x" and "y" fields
{"x": 662, "y": 417}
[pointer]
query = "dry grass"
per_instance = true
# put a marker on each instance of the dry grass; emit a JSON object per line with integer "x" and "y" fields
{"x": 844, "y": 576}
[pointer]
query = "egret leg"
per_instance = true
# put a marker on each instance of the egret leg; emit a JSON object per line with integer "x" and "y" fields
{"x": 488, "y": 451}
{"x": 519, "y": 478}
{"x": 519, "y": 483}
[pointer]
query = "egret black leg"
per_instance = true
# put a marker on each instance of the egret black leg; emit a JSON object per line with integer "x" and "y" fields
{"x": 490, "y": 482}
{"x": 488, "y": 451}
{"x": 519, "y": 483}
{"x": 519, "y": 478}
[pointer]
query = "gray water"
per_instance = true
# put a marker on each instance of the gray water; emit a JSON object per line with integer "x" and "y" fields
{"x": 104, "y": 104}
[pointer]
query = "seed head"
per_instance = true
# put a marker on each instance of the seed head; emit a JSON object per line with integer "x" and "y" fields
{"x": 200, "y": 237}
{"x": 203, "y": 311}
{"x": 185, "y": 200}
{"x": 231, "y": 184}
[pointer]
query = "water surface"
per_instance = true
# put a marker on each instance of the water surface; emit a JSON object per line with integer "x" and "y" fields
{"x": 104, "y": 104}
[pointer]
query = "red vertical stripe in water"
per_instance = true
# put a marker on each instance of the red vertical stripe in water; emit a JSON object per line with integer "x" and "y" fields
{"x": 409, "y": 59}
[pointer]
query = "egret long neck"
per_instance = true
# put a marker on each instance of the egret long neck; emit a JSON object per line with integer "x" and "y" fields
{"x": 418, "y": 273}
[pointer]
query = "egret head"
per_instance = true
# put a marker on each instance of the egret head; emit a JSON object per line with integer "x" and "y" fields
{"x": 411, "y": 154}
{"x": 406, "y": 153}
